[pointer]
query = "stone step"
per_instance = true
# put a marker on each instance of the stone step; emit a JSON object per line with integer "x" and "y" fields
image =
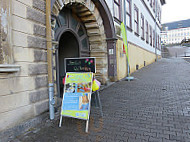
{"x": 84, "y": 14}
{"x": 97, "y": 38}
{"x": 93, "y": 32}
{"x": 93, "y": 25}
{"x": 81, "y": 9}
{"x": 88, "y": 19}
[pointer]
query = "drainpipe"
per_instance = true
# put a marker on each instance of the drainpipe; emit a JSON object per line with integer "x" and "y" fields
{"x": 49, "y": 59}
{"x": 155, "y": 37}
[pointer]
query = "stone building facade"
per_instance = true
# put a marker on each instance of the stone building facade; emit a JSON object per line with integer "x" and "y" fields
{"x": 23, "y": 68}
{"x": 79, "y": 28}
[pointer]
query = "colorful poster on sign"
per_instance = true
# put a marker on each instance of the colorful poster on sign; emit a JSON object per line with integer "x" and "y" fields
{"x": 77, "y": 95}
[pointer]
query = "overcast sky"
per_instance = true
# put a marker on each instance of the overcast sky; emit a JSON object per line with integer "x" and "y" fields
{"x": 175, "y": 10}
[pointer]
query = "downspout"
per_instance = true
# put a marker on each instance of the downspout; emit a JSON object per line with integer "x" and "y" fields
{"x": 49, "y": 59}
{"x": 155, "y": 36}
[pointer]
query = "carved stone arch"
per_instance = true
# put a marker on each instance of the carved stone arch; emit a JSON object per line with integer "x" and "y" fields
{"x": 91, "y": 17}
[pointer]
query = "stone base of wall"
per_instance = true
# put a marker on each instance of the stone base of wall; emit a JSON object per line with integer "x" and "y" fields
{"x": 9, "y": 134}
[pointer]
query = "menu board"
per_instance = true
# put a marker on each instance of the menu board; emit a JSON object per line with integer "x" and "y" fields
{"x": 77, "y": 95}
{"x": 86, "y": 64}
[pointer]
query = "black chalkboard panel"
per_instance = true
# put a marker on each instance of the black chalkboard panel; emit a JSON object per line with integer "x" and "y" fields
{"x": 85, "y": 64}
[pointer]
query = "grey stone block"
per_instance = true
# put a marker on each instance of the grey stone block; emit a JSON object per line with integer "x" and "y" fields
{"x": 41, "y": 81}
{"x": 38, "y": 95}
{"x": 36, "y": 15}
{"x": 41, "y": 107}
{"x": 36, "y": 42}
{"x": 39, "y": 4}
{"x": 39, "y": 30}
{"x": 36, "y": 69}
{"x": 40, "y": 56}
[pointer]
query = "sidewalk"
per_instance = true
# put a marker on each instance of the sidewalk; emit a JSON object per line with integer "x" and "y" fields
{"x": 155, "y": 107}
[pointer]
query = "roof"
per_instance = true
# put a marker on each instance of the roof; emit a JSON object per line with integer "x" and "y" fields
{"x": 176, "y": 25}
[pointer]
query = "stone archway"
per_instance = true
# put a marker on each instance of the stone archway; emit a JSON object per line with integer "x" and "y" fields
{"x": 90, "y": 16}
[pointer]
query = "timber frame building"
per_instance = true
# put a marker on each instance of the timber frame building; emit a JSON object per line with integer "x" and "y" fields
{"x": 79, "y": 28}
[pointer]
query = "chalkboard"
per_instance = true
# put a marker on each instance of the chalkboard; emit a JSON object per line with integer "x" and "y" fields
{"x": 85, "y": 64}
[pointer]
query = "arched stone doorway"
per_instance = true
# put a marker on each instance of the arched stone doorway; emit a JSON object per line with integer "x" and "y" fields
{"x": 98, "y": 23}
{"x": 73, "y": 41}
{"x": 68, "y": 47}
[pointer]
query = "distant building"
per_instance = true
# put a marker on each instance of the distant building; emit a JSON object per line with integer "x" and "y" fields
{"x": 175, "y": 32}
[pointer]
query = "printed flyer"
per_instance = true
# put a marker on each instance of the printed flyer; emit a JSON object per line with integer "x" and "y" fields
{"x": 77, "y": 95}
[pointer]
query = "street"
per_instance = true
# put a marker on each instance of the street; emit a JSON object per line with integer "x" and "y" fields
{"x": 154, "y": 107}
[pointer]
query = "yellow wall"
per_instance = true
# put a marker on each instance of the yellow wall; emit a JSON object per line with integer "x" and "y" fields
{"x": 121, "y": 61}
{"x": 137, "y": 56}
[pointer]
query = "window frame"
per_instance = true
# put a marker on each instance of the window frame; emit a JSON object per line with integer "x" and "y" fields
{"x": 154, "y": 38}
{"x": 150, "y": 29}
{"x": 154, "y": 4}
{"x": 117, "y": 19}
{"x": 142, "y": 27}
{"x": 147, "y": 33}
{"x": 136, "y": 21}
{"x": 150, "y": 3}
{"x": 128, "y": 14}
{"x": 6, "y": 51}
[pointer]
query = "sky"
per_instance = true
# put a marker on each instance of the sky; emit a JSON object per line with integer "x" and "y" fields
{"x": 175, "y": 10}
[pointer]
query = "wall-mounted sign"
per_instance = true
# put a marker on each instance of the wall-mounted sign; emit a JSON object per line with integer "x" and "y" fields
{"x": 86, "y": 64}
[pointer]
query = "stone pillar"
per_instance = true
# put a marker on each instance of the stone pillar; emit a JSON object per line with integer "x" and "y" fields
{"x": 112, "y": 59}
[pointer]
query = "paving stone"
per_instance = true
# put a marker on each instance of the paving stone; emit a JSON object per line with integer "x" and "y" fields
{"x": 154, "y": 108}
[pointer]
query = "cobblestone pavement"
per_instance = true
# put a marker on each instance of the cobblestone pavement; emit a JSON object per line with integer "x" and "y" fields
{"x": 155, "y": 107}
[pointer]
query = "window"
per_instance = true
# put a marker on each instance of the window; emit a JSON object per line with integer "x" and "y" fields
{"x": 128, "y": 13}
{"x": 5, "y": 47}
{"x": 142, "y": 26}
{"x": 157, "y": 41}
{"x": 147, "y": 40}
{"x": 136, "y": 20}
{"x": 153, "y": 38}
{"x": 117, "y": 10}
{"x": 154, "y": 5}
{"x": 150, "y": 35}
{"x": 151, "y": 3}
{"x": 159, "y": 15}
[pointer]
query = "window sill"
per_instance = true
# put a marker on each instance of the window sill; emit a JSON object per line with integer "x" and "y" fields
{"x": 129, "y": 29}
{"x": 9, "y": 68}
{"x": 137, "y": 34}
{"x": 117, "y": 20}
